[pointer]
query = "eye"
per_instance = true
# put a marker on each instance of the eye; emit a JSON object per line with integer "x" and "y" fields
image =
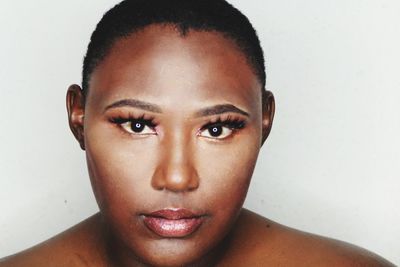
{"x": 136, "y": 126}
{"x": 222, "y": 129}
{"x": 216, "y": 131}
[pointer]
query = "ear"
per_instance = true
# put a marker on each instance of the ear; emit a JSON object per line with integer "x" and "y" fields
{"x": 268, "y": 112}
{"x": 76, "y": 112}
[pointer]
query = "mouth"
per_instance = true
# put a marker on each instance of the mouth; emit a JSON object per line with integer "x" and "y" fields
{"x": 173, "y": 223}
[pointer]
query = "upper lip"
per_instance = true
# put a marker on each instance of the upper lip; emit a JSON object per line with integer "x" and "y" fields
{"x": 174, "y": 214}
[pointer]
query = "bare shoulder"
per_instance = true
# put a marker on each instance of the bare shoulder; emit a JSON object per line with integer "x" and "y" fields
{"x": 266, "y": 243}
{"x": 74, "y": 247}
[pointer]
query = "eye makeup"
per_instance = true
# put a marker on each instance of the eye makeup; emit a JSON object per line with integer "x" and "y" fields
{"x": 135, "y": 125}
{"x": 229, "y": 122}
{"x": 142, "y": 120}
{"x": 222, "y": 128}
{"x": 219, "y": 128}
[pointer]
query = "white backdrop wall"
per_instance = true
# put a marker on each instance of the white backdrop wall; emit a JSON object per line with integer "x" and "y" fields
{"x": 331, "y": 165}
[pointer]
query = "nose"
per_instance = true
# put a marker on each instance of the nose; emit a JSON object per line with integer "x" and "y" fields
{"x": 176, "y": 171}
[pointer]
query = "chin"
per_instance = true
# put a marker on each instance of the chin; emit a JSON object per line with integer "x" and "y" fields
{"x": 173, "y": 252}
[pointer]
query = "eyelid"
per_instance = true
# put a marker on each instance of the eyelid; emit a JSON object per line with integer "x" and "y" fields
{"x": 121, "y": 120}
{"x": 127, "y": 125}
{"x": 229, "y": 122}
{"x": 232, "y": 124}
{"x": 217, "y": 138}
{"x": 125, "y": 122}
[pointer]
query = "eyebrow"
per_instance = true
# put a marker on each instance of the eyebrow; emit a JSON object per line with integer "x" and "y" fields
{"x": 135, "y": 104}
{"x": 220, "y": 109}
{"x": 209, "y": 111}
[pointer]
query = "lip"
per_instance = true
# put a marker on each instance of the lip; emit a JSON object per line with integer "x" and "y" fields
{"x": 173, "y": 223}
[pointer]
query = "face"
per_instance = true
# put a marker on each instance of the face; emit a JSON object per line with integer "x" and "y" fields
{"x": 172, "y": 127}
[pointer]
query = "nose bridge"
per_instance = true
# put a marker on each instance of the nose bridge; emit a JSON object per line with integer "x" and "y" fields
{"x": 176, "y": 170}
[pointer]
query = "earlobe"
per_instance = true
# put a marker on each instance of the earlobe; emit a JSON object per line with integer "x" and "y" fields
{"x": 268, "y": 112}
{"x": 76, "y": 112}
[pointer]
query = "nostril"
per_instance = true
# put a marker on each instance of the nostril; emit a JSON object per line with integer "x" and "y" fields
{"x": 175, "y": 179}
{"x": 194, "y": 182}
{"x": 157, "y": 182}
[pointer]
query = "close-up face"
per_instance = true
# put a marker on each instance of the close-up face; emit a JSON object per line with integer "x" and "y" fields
{"x": 172, "y": 129}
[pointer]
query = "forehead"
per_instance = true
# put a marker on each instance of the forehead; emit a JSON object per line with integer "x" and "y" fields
{"x": 160, "y": 61}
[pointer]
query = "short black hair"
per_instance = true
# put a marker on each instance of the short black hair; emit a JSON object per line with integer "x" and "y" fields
{"x": 130, "y": 16}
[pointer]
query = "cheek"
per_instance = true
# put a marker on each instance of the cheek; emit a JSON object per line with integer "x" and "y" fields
{"x": 225, "y": 172}
{"x": 119, "y": 169}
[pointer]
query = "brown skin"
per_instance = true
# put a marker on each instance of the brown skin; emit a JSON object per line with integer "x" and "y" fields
{"x": 177, "y": 163}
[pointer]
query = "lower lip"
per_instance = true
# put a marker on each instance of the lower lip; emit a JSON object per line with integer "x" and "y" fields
{"x": 173, "y": 228}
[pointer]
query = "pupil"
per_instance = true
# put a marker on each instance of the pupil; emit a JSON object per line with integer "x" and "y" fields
{"x": 215, "y": 131}
{"x": 137, "y": 127}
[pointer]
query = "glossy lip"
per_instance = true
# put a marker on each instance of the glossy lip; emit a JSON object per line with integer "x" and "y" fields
{"x": 173, "y": 223}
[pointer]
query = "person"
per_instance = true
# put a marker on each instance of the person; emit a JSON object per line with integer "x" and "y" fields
{"x": 172, "y": 114}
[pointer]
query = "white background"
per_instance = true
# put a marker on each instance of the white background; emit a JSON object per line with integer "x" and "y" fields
{"x": 331, "y": 165}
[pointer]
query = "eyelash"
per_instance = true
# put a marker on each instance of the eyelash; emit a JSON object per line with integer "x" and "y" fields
{"x": 233, "y": 124}
{"x": 229, "y": 122}
{"x": 121, "y": 120}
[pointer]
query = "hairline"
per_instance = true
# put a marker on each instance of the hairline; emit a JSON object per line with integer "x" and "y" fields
{"x": 183, "y": 33}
